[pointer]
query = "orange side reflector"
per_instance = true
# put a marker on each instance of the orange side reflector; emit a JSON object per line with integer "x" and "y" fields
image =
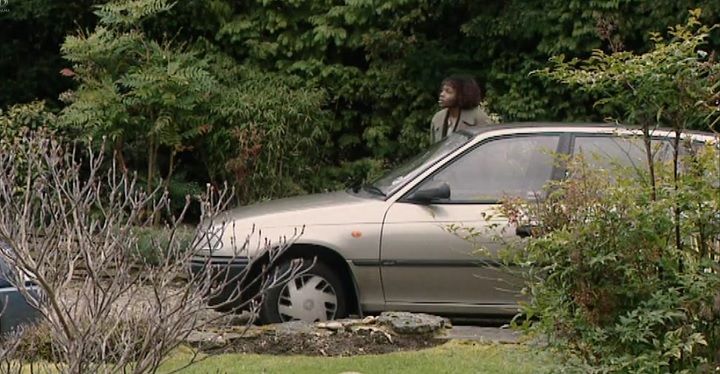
{"x": 356, "y": 234}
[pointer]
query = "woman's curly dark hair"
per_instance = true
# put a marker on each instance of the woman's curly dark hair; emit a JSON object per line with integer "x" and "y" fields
{"x": 467, "y": 91}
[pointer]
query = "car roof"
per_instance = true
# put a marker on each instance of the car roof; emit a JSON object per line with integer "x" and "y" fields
{"x": 571, "y": 125}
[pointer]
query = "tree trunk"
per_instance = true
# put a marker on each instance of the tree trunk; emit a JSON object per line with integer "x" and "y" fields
{"x": 649, "y": 153}
{"x": 152, "y": 156}
{"x": 676, "y": 175}
{"x": 118, "y": 153}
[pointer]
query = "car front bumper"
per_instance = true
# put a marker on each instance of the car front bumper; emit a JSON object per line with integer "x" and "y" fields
{"x": 228, "y": 277}
{"x": 221, "y": 268}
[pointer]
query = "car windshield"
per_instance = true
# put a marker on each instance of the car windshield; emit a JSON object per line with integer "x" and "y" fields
{"x": 397, "y": 177}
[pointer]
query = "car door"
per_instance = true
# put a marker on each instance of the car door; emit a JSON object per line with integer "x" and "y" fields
{"x": 445, "y": 252}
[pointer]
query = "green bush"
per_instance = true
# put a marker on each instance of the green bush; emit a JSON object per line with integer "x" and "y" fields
{"x": 153, "y": 244}
{"x": 609, "y": 285}
{"x": 624, "y": 273}
{"x": 17, "y": 120}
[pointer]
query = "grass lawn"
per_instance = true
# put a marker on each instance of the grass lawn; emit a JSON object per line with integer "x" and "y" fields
{"x": 453, "y": 357}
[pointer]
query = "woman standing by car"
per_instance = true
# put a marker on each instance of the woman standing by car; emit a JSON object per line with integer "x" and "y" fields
{"x": 460, "y": 98}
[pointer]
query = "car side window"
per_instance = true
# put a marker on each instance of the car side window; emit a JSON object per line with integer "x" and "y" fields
{"x": 607, "y": 151}
{"x": 513, "y": 166}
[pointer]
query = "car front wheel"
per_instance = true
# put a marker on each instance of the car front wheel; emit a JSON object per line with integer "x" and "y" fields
{"x": 314, "y": 295}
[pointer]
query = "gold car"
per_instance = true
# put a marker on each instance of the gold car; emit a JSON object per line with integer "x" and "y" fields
{"x": 390, "y": 245}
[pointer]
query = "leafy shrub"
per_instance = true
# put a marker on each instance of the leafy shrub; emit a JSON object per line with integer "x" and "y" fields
{"x": 275, "y": 135}
{"x": 152, "y": 243}
{"x": 186, "y": 114}
{"x": 624, "y": 271}
{"x": 608, "y": 283}
{"x": 21, "y": 118}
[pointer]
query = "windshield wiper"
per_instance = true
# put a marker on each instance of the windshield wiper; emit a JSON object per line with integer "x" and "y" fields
{"x": 373, "y": 190}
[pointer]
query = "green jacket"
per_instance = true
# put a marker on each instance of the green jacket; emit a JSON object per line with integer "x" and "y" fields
{"x": 468, "y": 118}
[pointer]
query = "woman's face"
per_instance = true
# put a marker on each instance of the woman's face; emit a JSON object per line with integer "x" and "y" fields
{"x": 447, "y": 97}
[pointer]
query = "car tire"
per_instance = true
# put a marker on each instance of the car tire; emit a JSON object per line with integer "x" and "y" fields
{"x": 317, "y": 294}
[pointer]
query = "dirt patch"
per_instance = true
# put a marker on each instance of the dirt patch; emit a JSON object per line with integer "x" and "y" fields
{"x": 335, "y": 344}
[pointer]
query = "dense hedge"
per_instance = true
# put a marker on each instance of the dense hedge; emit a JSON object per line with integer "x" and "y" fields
{"x": 371, "y": 70}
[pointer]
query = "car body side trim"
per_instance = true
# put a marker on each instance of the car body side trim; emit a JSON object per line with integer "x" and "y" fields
{"x": 220, "y": 260}
{"x": 368, "y": 262}
{"x": 432, "y": 263}
{"x": 443, "y": 263}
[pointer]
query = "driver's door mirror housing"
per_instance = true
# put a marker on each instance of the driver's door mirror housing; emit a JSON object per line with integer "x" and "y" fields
{"x": 430, "y": 193}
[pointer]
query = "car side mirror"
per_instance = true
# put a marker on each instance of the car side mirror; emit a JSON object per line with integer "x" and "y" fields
{"x": 430, "y": 193}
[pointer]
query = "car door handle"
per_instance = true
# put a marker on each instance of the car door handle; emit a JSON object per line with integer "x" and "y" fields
{"x": 525, "y": 231}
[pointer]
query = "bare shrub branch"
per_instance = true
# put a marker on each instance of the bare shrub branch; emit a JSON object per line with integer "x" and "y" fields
{"x": 72, "y": 222}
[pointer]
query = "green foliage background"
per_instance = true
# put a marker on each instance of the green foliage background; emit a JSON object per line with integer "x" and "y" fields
{"x": 295, "y": 96}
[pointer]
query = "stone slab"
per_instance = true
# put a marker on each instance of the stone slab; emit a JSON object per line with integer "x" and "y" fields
{"x": 482, "y": 334}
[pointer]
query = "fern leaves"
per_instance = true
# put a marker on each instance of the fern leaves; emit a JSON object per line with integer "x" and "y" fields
{"x": 130, "y": 12}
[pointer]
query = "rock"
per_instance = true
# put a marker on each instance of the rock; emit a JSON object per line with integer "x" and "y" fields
{"x": 482, "y": 334}
{"x": 372, "y": 330}
{"x": 197, "y": 337}
{"x": 334, "y": 326}
{"x": 218, "y": 319}
{"x": 209, "y": 339}
{"x": 293, "y": 328}
{"x": 412, "y": 323}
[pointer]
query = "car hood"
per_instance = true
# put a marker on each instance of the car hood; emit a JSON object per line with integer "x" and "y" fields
{"x": 244, "y": 231}
{"x": 317, "y": 209}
